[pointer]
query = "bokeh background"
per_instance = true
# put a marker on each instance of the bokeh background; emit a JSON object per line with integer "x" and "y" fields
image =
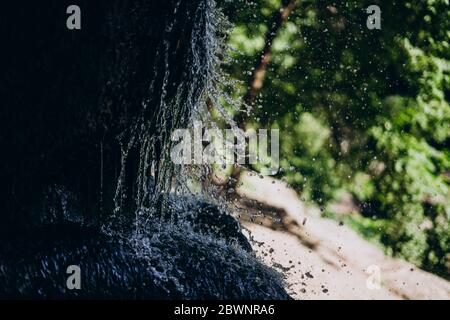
{"x": 364, "y": 115}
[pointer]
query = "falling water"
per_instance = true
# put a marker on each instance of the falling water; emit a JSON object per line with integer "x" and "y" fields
{"x": 202, "y": 87}
{"x": 164, "y": 203}
{"x": 174, "y": 244}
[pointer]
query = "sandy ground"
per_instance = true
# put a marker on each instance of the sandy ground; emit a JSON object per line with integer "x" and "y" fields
{"x": 309, "y": 274}
{"x": 322, "y": 259}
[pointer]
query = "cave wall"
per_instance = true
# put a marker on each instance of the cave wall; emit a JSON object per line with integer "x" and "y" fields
{"x": 66, "y": 96}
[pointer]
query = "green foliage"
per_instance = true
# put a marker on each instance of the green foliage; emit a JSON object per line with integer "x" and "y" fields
{"x": 361, "y": 110}
{"x": 309, "y": 164}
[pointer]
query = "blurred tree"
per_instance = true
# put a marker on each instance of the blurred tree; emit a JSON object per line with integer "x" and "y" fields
{"x": 365, "y": 111}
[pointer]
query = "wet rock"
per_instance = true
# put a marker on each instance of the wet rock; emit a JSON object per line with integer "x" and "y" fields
{"x": 79, "y": 110}
{"x": 206, "y": 218}
{"x": 164, "y": 263}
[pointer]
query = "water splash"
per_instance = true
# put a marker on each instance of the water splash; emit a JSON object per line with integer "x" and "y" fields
{"x": 157, "y": 242}
{"x": 200, "y": 90}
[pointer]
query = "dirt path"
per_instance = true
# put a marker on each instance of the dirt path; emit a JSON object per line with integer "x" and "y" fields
{"x": 322, "y": 259}
{"x": 310, "y": 275}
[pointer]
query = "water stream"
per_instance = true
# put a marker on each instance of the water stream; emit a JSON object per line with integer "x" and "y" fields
{"x": 133, "y": 224}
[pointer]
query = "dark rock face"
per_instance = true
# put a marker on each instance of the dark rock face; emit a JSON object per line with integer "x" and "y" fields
{"x": 70, "y": 102}
{"x": 205, "y": 219}
{"x": 69, "y": 98}
{"x": 172, "y": 262}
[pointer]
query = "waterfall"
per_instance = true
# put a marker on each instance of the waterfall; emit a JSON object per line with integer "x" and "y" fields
{"x": 201, "y": 84}
{"x": 88, "y": 178}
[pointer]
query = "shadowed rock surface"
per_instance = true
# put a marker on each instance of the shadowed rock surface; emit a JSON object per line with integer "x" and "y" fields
{"x": 170, "y": 263}
{"x": 85, "y": 117}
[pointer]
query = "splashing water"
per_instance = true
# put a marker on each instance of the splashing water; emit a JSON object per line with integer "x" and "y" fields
{"x": 200, "y": 87}
{"x": 159, "y": 240}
